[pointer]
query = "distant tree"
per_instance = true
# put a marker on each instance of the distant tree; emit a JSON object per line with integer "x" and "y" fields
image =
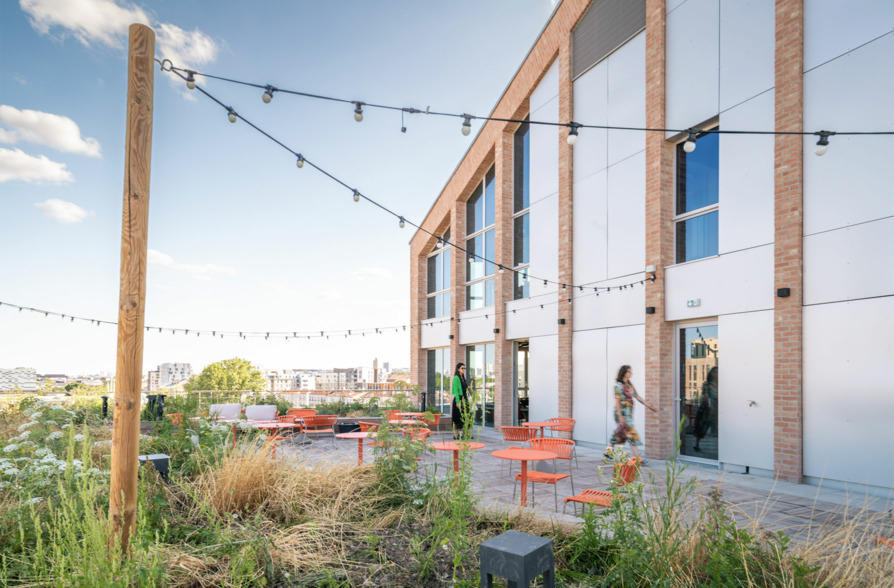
{"x": 75, "y": 386}
{"x": 230, "y": 374}
{"x": 192, "y": 383}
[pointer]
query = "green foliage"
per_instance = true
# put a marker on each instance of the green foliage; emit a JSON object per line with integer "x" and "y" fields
{"x": 230, "y": 374}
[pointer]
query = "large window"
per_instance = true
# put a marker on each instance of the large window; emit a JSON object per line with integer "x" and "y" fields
{"x": 697, "y": 203}
{"x": 480, "y": 362}
{"x": 440, "y": 381}
{"x": 698, "y": 383}
{"x": 521, "y": 228}
{"x": 480, "y": 244}
{"x": 439, "y": 280}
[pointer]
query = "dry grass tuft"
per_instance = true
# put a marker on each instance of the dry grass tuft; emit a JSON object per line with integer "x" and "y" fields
{"x": 243, "y": 482}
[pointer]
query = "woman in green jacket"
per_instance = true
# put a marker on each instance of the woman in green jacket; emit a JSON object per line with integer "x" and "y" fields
{"x": 460, "y": 403}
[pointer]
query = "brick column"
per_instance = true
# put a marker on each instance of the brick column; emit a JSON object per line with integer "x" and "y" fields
{"x": 457, "y": 280}
{"x": 418, "y": 277}
{"x": 566, "y": 241}
{"x": 503, "y": 200}
{"x": 789, "y": 189}
{"x": 661, "y": 427}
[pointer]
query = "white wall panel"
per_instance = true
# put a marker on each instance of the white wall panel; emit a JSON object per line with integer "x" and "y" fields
{"x": 735, "y": 282}
{"x": 747, "y": 51}
{"x": 825, "y": 37}
{"x": 747, "y": 205}
{"x": 590, "y": 238}
{"x": 590, "y": 381}
{"x": 627, "y": 345}
{"x": 529, "y": 320}
{"x": 610, "y": 309}
{"x": 476, "y": 326}
{"x": 547, "y": 89}
{"x": 848, "y": 403}
{"x": 435, "y": 334}
{"x": 544, "y": 224}
{"x": 590, "y": 155}
{"x": 626, "y": 99}
{"x": 692, "y": 63}
{"x": 851, "y": 182}
{"x": 627, "y": 216}
{"x": 543, "y": 378}
{"x": 853, "y": 262}
{"x": 670, "y": 5}
{"x": 746, "y": 375}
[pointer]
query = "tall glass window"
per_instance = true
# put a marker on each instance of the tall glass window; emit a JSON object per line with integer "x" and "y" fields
{"x": 697, "y": 202}
{"x": 480, "y": 362}
{"x": 521, "y": 229}
{"x": 439, "y": 281}
{"x": 698, "y": 381}
{"x": 440, "y": 381}
{"x": 480, "y": 244}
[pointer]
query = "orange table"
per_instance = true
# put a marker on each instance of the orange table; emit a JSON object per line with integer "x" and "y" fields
{"x": 541, "y": 424}
{"x": 524, "y": 456}
{"x": 456, "y": 447}
{"x": 360, "y": 436}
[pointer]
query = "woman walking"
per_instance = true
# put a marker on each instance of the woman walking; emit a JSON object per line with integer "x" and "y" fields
{"x": 460, "y": 404}
{"x": 625, "y": 393}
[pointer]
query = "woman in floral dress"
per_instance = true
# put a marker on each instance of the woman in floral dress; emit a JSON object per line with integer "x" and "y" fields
{"x": 625, "y": 393}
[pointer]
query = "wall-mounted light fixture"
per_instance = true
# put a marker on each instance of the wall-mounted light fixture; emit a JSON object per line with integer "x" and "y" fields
{"x": 450, "y": 337}
{"x": 783, "y": 292}
{"x": 496, "y": 330}
{"x": 561, "y": 321}
{"x": 650, "y": 310}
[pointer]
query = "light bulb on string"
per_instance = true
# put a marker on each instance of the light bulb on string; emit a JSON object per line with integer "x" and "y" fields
{"x": 823, "y": 144}
{"x": 467, "y": 124}
{"x": 268, "y": 94}
{"x": 572, "y": 133}
{"x": 402, "y": 222}
{"x": 356, "y": 196}
{"x": 689, "y": 145}
{"x": 300, "y": 161}
{"x": 190, "y": 80}
{"x": 358, "y": 111}
{"x": 232, "y": 115}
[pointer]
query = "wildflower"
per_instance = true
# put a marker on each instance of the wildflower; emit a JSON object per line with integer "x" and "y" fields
{"x": 418, "y": 502}
{"x": 24, "y": 426}
{"x": 54, "y": 435}
{"x": 66, "y": 425}
{"x": 10, "y": 471}
{"x": 35, "y": 500}
{"x": 36, "y": 415}
{"x": 79, "y": 437}
{"x": 54, "y": 423}
{"x": 10, "y": 448}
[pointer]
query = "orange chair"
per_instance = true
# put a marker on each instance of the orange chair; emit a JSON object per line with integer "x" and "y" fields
{"x": 564, "y": 448}
{"x": 535, "y": 477}
{"x": 520, "y": 436}
{"x": 564, "y": 425}
{"x": 392, "y": 415}
{"x": 176, "y": 418}
{"x": 302, "y": 412}
{"x": 320, "y": 425}
{"x": 624, "y": 474}
{"x": 366, "y": 427}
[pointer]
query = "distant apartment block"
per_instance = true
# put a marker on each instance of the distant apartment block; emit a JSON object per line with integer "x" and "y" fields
{"x": 20, "y": 378}
{"x": 168, "y": 374}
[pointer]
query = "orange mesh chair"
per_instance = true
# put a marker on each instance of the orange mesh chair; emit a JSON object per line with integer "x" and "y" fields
{"x": 176, "y": 418}
{"x": 564, "y": 448}
{"x": 299, "y": 424}
{"x": 392, "y": 416}
{"x": 624, "y": 474}
{"x": 564, "y": 425}
{"x": 366, "y": 427}
{"x": 302, "y": 412}
{"x": 535, "y": 477}
{"x": 520, "y": 436}
{"x": 320, "y": 425}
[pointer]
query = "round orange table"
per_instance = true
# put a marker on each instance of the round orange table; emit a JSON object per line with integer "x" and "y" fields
{"x": 456, "y": 447}
{"x": 360, "y": 436}
{"x": 541, "y": 424}
{"x": 524, "y": 456}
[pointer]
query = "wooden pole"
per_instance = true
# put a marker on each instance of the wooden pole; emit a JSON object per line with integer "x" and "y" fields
{"x": 132, "y": 298}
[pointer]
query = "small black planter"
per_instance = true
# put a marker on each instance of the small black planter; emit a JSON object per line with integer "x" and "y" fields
{"x": 348, "y": 427}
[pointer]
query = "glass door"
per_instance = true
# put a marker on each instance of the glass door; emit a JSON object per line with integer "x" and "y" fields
{"x": 480, "y": 363}
{"x": 520, "y": 400}
{"x": 698, "y": 359}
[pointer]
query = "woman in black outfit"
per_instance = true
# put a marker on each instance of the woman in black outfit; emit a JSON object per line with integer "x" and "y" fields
{"x": 460, "y": 403}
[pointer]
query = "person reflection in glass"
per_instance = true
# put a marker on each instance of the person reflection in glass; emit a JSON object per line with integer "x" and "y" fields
{"x": 706, "y": 416}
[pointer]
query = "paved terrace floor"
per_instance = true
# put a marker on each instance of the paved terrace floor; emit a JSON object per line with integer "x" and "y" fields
{"x": 799, "y": 509}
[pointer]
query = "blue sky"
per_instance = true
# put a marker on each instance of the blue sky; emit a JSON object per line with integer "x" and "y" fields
{"x": 240, "y": 238}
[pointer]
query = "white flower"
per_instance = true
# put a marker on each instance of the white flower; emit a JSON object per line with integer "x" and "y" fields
{"x": 79, "y": 437}
{"x": 35, "y": 500}
{"x": 36, "y": 415}
{"x": 10, "y": 448}
{"x": 54, "y": 435}
{"x": 66, "y": 425}
{"x": 24, "y": 426}
{"x": 10, "y": 471}
{"x": 54, "y": 423}
{"x": 29, "y": 411}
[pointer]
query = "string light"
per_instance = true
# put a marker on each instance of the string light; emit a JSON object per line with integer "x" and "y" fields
{"x": 268, "y": 94}
{"x": 190, "y": 80}
{"x": 572, "y": 133}
{"x": 689, "y": 145}
{"x": 356, "y": 196}
{"x": 358, "y": 111}
{"x": 402, "y": 222}
{"x": 467, "y": 124}
{"x": 300, "y": 161}
{"x": 232, "y": 115}
{"x": 823, "y": 144}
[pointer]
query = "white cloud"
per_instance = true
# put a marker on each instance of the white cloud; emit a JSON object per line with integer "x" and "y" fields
{"x": 371, "y": 273}
{"x": 62, "y": 211}
{"x": 15, "y": 164}
{"x": 196, "y": 271}
{"x": 107, "y": 21}
{"x": 43, "y": 128}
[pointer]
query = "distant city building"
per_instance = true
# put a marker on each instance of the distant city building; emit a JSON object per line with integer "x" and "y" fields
{"x": 168, "y": 374}
{"x": 152, "y": 381}
{"x": 20, "y": 378}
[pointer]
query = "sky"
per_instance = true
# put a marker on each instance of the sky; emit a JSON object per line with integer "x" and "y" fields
{"x": 240, "y": 239}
